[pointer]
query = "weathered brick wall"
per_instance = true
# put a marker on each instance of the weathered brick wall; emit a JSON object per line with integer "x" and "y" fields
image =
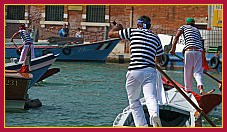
{"x": 35, "y": 15}
{"x": 75, "y": 18}
{"x": 164, "y": 18}
{"x": 118, "y": 14}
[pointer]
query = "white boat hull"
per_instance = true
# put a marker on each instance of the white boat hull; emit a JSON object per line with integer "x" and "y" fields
{"x": 176, "y": 113}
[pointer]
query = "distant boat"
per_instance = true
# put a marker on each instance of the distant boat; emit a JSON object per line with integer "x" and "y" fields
{"x": 16, "y": 87}
{"x": 69, "y": 50}
{"x": 39, "y": 66}
{"x": 177, "y": 112}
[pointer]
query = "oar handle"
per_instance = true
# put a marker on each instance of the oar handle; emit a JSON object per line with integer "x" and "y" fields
{"x": 182, "y": 59}
{"x": 14, "y": 44}
{"x": 212, "y": 77}
{"x": 185, "y": 96}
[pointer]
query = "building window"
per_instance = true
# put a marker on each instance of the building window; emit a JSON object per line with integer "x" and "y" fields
{"x": 95, "y": 13}
{"x": 54, "y": 13}
{"x": 15, "y": 12}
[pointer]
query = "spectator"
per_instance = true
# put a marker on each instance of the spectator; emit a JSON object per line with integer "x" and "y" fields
{"x": 79, "y": 33}
{"x": 64, "y": 31}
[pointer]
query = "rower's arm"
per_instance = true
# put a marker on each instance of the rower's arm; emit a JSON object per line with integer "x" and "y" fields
{"x": 114, "y": 32}
{"x": 14, "y": 35}
{"x": 177, "y": 36}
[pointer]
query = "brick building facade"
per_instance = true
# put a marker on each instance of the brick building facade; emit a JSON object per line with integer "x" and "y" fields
{"x": 165, "y": 19}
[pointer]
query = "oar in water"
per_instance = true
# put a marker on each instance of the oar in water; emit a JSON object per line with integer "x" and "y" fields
{"x": 220, "y": 82}
{"x": 185, "y": 96}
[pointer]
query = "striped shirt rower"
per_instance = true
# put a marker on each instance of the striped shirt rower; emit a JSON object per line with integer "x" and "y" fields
{"x": 26, "y": 39}
{"x": 191, "y": 36}
{"x": 144, "y": 47}
{"x": 193, "y": 54}
{"x": 25, "y": 36}
{"x": 146, "y": 50}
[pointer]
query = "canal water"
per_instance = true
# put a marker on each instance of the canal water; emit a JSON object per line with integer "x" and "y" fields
{"x": 87, "y": 94}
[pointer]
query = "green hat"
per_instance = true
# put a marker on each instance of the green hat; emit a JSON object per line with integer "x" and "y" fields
{"x": 190, "y": 20}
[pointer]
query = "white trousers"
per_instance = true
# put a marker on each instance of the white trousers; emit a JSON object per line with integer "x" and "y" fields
{"x": 24, "y": 52}
{"x": 193, "y": 66}
{"x": 137, "y": 81}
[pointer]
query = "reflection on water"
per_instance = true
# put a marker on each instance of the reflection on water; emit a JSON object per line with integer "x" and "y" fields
{"x": 87, "y": 94}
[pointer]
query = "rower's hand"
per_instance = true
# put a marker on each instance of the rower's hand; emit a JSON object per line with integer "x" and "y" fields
{"x": 117, "y": 27}
{"x": 20, "y": 48}
{"x": 172, "y": 52}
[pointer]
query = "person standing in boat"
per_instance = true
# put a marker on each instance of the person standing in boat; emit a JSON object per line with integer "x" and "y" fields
{"x": 26, "y": 39}
{"x": 193, "y": 54}
{"x": 146, "y": 50}
{"x": 64, "y": 31}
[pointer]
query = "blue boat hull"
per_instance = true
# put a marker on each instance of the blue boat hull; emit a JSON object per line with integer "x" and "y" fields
{"x": 38, "y": 67}
{"x": 97, "y": 51}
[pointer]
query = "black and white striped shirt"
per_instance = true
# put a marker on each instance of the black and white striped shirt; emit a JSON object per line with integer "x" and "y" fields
{"x": 192, "y": 36}
{"x": 144, "y": 46}
{"x": 25, "y": 36}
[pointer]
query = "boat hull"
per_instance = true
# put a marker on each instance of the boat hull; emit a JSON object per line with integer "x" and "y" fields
{"x": 97, "y": 51}
{"x": 16, "y": 88}
{"x": 39, "y": 66}
{"x": 176, "y": 113}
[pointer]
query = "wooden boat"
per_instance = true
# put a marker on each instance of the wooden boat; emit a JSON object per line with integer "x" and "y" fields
{"x": 69, "y": 50}
{"x": 16, "y": 87}
{"x": 64, "y": 40}
{"x": 39, "y": 66}
{"x": 177, "y": 112}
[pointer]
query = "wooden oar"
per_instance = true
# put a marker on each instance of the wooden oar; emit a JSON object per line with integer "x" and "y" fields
{"x": 220, "y": 88}
{"x": 49, "y": 73}
{"x": 185, "y": 96}
{"x": 17, "y": 49}
{"x": 14, "y": 44}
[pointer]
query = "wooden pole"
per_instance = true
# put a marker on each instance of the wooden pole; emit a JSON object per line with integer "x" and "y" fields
{"x": 185, "y": 96}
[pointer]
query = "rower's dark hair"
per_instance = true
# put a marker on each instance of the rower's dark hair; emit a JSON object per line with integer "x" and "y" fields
{"x": 146, "y": 20}
{"x": 22, "y": 27}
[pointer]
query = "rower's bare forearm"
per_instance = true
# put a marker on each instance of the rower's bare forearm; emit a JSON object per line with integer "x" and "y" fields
{"x": 114, "y": 32}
